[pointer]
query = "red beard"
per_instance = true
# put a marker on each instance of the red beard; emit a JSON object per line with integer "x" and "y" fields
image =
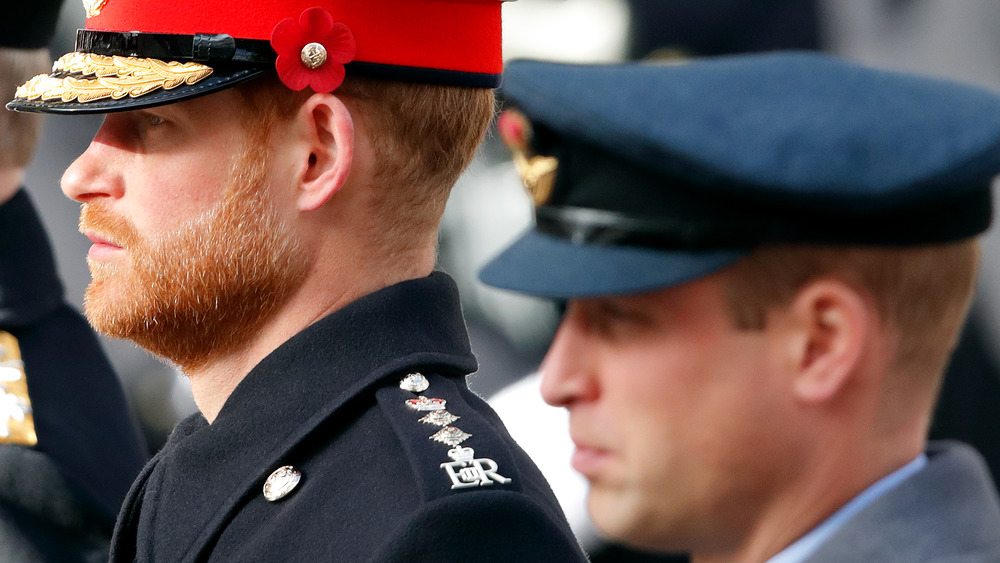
{"x": 202, "y": 290}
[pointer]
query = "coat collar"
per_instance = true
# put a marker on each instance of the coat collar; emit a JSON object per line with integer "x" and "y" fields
{"x": 413, "y": 325}
{"x": 416, "y": 324}
{"x": 948, "y": 507}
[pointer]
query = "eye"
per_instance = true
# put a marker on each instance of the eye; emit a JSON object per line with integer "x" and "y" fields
{"x": 613, "y": 311}
{"x": 151, "y": 128}
{"x": 624, "y": 317}
{"x": 611, "y": 320}
{"x": 146, "y": 119}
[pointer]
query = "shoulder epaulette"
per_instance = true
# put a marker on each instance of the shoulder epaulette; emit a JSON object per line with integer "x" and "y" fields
{"x": 450, "y": 446}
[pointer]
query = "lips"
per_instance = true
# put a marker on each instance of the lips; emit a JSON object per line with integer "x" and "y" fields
{"x": 108, "y": 231}
{"x": 589, "y": 456}
{"x": 99, "y": 240}
{"x": 103, "y": 248}
{"x": 589, "y": 461}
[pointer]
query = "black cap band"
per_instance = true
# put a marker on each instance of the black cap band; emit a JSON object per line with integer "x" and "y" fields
{"x": 606, "y": 200}
{"x": 201, "y": 47}
{"x": 225, "y": 50}
{"x": 967, "y": 216}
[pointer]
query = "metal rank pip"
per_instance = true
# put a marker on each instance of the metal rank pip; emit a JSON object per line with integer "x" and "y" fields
{"x": 465, "y": 470}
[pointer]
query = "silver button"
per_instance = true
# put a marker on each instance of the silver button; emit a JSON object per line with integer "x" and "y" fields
{"x": 281, "y": 482}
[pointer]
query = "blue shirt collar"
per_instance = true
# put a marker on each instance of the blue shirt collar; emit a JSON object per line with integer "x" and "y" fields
{"x": 809, "y": 543}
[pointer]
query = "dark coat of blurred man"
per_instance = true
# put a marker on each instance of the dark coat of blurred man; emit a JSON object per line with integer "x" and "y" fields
{"x": 263, "y": 198}
{"x": 766, "y": 262}
{"x": 68, "y": 446}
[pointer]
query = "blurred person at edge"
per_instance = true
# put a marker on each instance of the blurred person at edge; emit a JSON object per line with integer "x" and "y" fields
{"x": 766, "y": 261}
{"x": 68, "y": 446}
{"x": 263, "y": 197}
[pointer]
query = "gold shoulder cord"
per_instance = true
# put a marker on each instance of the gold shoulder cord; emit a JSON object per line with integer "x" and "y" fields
{"x": 17, "y": 424}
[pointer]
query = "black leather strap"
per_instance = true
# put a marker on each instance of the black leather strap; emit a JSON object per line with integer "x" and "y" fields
{"x": 201, "y": 47}
{"x": 958, "y": 218}
{"x": 602, "y": 227}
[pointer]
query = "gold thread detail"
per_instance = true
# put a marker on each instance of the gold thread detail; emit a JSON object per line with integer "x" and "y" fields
{"x": 17, "y": 423}
{"x": 93, "y": 7}
{"x": 99, "y": 77}
{"x": 538, "y": 173}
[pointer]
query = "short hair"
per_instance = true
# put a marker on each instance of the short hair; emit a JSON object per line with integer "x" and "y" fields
{"x": 20, "y": 130}
{"x": 922, "y": 292}
{"x": 423, "y": 137}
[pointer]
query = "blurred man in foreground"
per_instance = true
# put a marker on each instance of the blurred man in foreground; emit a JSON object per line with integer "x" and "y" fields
{"x": 767, "y": 260}
{"x": 263, "y": 198}
{"x": 69, "y": 447}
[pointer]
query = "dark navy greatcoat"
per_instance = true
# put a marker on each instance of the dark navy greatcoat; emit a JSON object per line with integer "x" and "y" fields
{"x": 59, "y": 497}
{"x": 374, "y": 486}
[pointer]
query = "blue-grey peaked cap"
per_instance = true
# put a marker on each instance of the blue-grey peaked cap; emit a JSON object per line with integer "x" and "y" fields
{"x": 670, "y": 172}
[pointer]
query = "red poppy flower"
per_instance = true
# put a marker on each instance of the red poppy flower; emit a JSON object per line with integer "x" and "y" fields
{"x": 514, "y": 129}
{"x": 312, "y": 51}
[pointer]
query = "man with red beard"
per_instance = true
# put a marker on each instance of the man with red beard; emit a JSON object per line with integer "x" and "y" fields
{"x": 263, "y": 199}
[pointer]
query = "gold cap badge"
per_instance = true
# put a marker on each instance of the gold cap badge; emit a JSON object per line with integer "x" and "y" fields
{"x": 538, "y": 173}
{"x": 93, "y": 7}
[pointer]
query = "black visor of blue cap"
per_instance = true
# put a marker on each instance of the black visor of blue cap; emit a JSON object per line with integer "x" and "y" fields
{"x": 668, "y": 173}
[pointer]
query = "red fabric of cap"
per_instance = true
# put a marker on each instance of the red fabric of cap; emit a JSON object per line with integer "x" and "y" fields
{"x": 458, "y": 35}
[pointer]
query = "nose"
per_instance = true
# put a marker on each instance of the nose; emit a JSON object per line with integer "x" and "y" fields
{"x": 94, "y": 173}
{"x": 568, "y": 369}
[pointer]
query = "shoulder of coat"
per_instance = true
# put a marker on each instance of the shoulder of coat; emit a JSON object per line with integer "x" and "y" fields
{"x": 450, "y": 446}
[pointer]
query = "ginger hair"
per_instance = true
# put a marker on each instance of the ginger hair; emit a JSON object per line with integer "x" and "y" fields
{"x": 922, "y": 292}
{"x": 422, "y": 137}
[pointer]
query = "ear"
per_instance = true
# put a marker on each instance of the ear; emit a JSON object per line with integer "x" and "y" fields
{"x": 329, "y": 131}
{"x": 831, "y": 321}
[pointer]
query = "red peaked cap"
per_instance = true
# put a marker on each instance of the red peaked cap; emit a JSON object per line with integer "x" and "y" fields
{"x": 144, "y": 53}
{"x": 458, "y": 35}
